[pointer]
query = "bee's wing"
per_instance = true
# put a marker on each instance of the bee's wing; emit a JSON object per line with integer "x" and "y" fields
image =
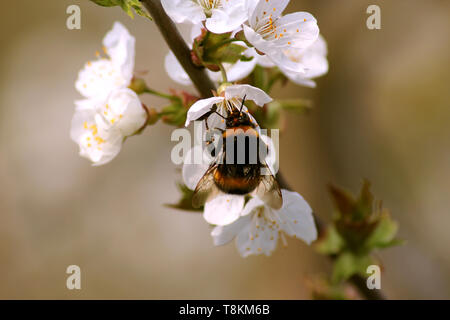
{"x": 269, "y": 191}
{"x": 206, "y": 188}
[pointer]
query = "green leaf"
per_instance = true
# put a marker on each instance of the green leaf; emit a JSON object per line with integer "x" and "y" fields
{"x": 296, "y": 105}
{"x": 185, "y": 202}
{"x": 332, "y": 243}
{"x": 348, "y": 264}
{"x": 107, "y": 3}
{"x": 343, "y": 200}
{"x": 384, "y": 233}
{"x": 127, "y": 5}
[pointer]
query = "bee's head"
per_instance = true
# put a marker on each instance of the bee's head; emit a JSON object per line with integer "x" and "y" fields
{"x": 237, "y": 118}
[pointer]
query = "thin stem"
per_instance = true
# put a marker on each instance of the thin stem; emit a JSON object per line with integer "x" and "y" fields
{"x": 159, "y": 94}
{"x": 222, "y": 43}
{"x": 223, "y": 72}
{"x": 176, "y": 43}
{"x": 205, "y": 86}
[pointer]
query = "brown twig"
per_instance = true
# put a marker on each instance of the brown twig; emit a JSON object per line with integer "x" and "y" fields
{"x": 204, "y": 85}
{"x": 176, "y": 43}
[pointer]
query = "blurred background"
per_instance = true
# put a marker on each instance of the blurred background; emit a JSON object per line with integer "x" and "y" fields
{"x": 382, "y": 113}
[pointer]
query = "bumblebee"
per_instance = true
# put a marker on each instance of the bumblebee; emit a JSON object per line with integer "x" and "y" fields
{"x": 237, "y": 168}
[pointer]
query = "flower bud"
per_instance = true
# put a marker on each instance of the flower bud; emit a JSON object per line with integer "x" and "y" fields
{"x": 138, "y": 85}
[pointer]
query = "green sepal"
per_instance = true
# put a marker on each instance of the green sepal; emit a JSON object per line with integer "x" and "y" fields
{"x": 127, "y": 5}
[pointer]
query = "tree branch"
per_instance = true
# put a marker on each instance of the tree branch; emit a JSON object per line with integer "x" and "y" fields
{"x": 176, "y": 43}
{"x": 204, "y": 86}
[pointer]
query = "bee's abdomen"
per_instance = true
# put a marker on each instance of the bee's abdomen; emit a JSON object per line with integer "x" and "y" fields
{"x": 237, "y": 179}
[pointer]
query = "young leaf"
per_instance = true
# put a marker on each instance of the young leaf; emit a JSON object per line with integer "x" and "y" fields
{"x": 349, "y": 264}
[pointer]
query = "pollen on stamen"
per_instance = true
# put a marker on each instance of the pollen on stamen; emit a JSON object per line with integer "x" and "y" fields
{"x": 97, "y": 54}
{"x": 105, "y": 50}
{"x": 85, "y": 125}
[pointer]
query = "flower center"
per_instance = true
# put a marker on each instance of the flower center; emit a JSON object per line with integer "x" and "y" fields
{"x": 267, "y": 27}
{"x": 293, "y": 55}
{"x": 208, "y": 5}
{"x": 91, "y": 139}
{"x": 263, "y": 220}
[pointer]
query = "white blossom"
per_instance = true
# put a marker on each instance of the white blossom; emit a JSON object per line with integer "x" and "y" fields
{"x": 123, "y": 111}
{"x": 110, "y": 111}
{"x": 312, "y": 63}
{"x": 259, "y": 227}
{"x": 235, "y": 71}
{"x": 231, "y": 97}
{"x": 98, "y": 78}
{"x": 220, "y": 16}
{"x": 271, "y": 33}
{"x": 96, "y": 142}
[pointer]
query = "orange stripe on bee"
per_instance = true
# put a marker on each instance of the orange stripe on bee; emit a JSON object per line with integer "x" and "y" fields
{"x": 246, "y": 130}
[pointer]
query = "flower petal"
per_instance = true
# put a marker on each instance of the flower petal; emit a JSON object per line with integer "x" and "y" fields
{"x": 184, "y": 10}
{"x": 224, "y": 234}
{"x": 267, "y": 7}
{"x": 224, "y": 209}
{"x": 98, "y": 145}
{"x": 256, "y": 236}
{"x": 296, "y": 217}
{"x": 120, "y": 46}
{"x": 314, "y": 61}
{"x": 201, "y": 107}
{"x": 299, "y": 29}
{"x": 251, "y": 93}
{"x": 123, "y": 111}
{"x": 229, "y": 17}
{"x": 175, "y": 70}
{"x": 195, "y": 164}
{"x": 98, "y": 78}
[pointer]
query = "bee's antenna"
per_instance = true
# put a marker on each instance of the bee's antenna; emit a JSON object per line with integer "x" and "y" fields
{"x": 220, "y": 115}
{"x": 242, "y": 105}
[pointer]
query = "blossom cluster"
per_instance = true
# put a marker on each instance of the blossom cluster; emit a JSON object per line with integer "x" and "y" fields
{"x": 110, "y": 111}
{"x": 231, "y": 38}
{"x": 290, "y": 42}
{"x": 293, "y": 44}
